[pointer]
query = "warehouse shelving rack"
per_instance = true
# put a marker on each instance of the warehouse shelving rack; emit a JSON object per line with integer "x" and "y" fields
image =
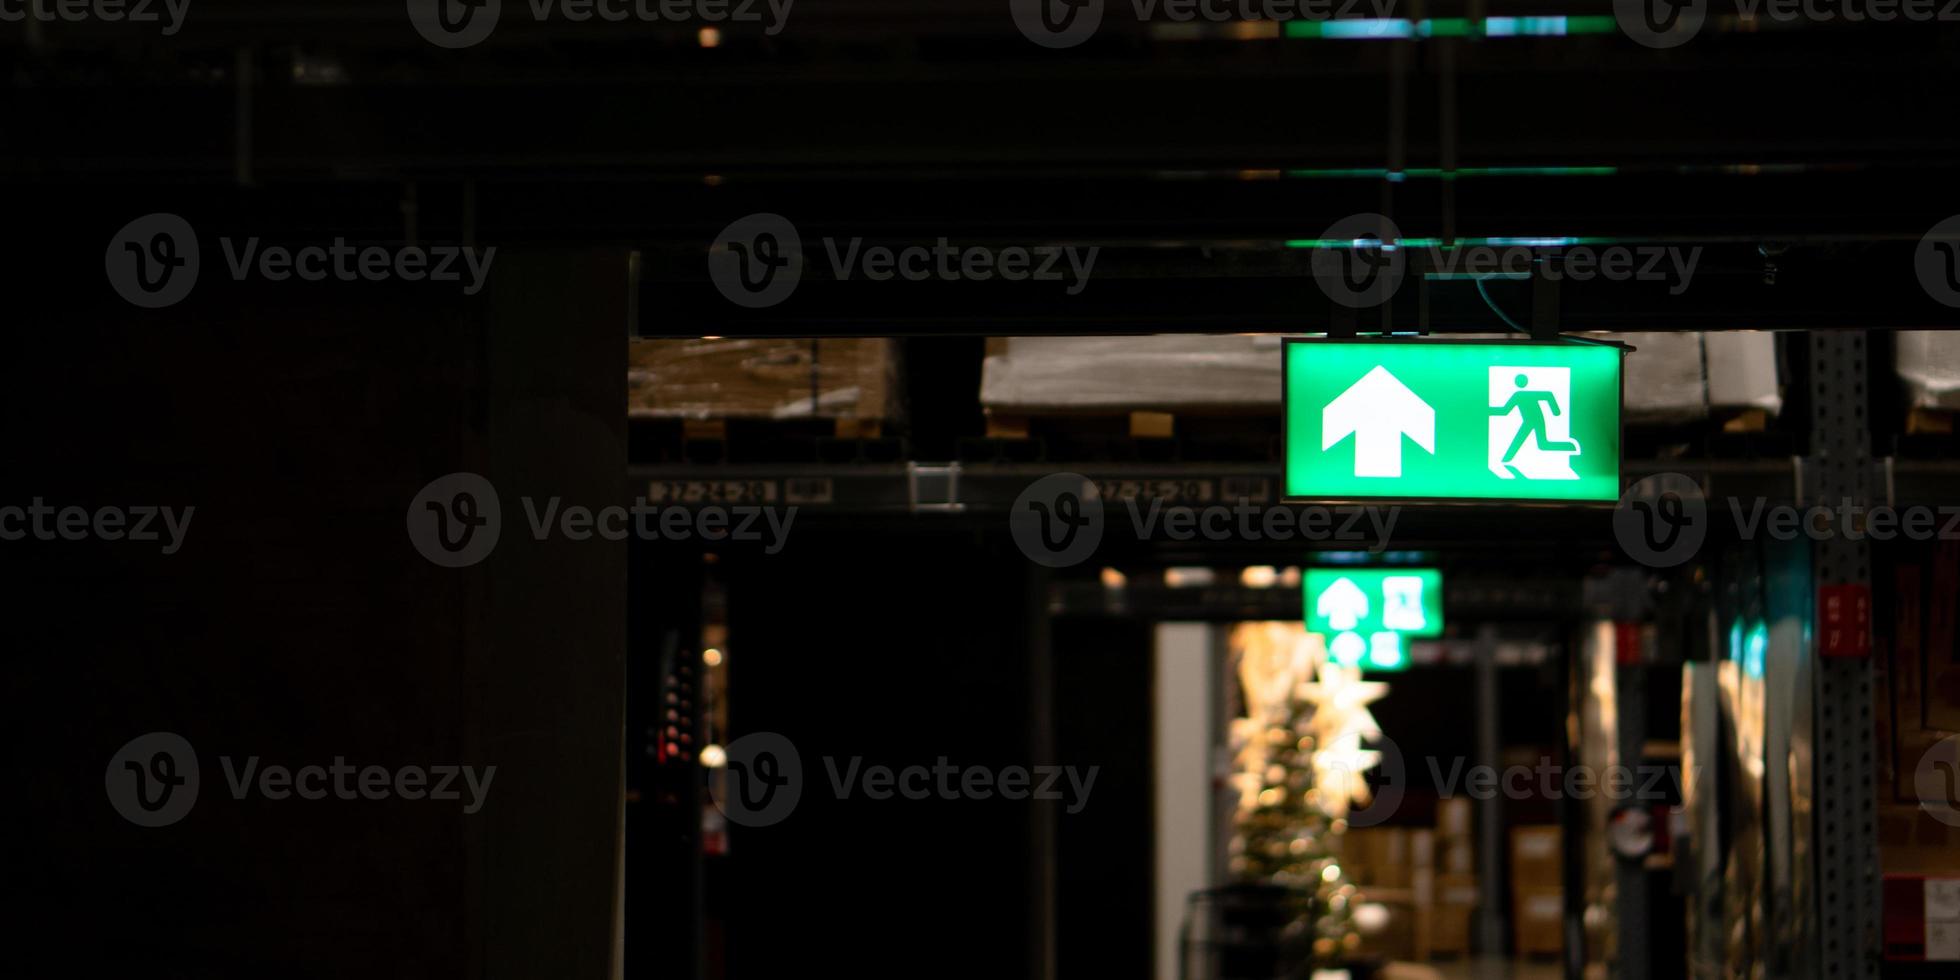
{"x": 1829, "y": 919}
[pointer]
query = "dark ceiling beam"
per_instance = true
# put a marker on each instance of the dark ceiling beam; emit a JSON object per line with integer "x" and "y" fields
{"x": 326, "y": 111}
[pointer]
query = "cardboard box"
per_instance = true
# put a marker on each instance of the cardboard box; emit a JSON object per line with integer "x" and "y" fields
{"x": 1458, "y": 857}
{"x": 1537, "y": 857}
{"x": 1422, "y": 894}
{"x": 1397, "y": 940}
{"x": 760, "y": 379}
{"x": 1457, "y": 890}
{"x": 1453, "y": 818}
{"x": 1538, "y": 917}
{"x": 1452, "y": 919}
{"x": 1377, "y": 856}
{"x": 1450, "y": 927}
{"x": 1422, "y": 849}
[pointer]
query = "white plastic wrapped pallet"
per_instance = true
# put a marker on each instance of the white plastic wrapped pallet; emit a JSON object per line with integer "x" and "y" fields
{"x": 1679, "y": 376}
{"x": 1929, "y": 364}
{"x": 1665, "y": 378}
{"x": 1076, "y": 374}
{"x": 1742, "y": 371}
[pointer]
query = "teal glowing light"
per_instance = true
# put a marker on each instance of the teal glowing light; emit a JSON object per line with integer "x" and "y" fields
{"x": 1347, "y": 649}
{"x": 1375, "y": 28}
{"x": 1560, "y": 241}
{"x": 1526, "y": 26}
{"x": 1533, "y": 242}
{"x": 1365, "y": 28}
{"x": 1382, "y": 173}
{"x": 1385, "y": 651}
{"x": 1755, "y": 651}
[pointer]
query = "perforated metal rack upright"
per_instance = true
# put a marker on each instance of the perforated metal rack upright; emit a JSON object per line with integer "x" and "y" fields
{"x": 1844, "y": 838}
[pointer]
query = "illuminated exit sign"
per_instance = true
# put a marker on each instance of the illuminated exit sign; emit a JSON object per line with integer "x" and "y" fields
{"x": 1452, "y": 420}
{"x": 1366, "y": 613}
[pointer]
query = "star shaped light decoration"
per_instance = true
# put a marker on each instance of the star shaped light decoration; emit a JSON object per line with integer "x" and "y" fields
{"x": 1340, "y": 721}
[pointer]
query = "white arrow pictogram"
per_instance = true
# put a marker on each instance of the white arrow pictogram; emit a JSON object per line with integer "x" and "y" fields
{"x": 1344, "y": 604}
{"x": 1378, "y": 411}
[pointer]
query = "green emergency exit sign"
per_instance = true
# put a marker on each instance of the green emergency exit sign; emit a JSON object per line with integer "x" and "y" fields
{"x": 1365, "y": 614}
{"x": 1451, "y": 420}
{"x": 1369, "y": 600}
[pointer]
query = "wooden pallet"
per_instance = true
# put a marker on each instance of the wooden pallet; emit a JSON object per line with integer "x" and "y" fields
{"x": 716, "y": 430}
{"x": 745, "y": 439}
{"x": 1929, "y": 421}
{"x": 1142, "y": 424}
{"x": 1741, "y": 419}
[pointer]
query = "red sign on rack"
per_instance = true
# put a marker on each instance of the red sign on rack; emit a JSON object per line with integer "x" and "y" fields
{"x": 1627, "y": 648}
{"x": 1844, "y": 620}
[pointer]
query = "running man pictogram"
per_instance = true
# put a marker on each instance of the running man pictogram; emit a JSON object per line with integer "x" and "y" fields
{"x": 1530, "y": 419}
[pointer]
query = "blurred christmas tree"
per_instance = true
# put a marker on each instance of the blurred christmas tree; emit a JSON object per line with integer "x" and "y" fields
{"x": 1300, "y": 764}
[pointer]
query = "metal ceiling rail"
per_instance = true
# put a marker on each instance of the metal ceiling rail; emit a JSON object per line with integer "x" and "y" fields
{"x": 992, "y": 488}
